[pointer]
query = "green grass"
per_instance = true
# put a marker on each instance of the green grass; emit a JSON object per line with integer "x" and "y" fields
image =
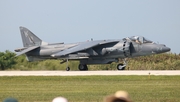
{"x": 90, "y": 88}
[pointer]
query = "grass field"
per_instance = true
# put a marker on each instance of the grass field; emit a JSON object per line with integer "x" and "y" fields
{"x": 90, "y": 88}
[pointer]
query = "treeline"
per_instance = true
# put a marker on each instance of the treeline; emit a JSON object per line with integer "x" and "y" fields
{"x": 7, "y": 60}
{"x": 166, "y": 61}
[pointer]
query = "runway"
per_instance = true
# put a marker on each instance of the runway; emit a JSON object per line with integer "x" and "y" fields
{"x": 88, "y": 73}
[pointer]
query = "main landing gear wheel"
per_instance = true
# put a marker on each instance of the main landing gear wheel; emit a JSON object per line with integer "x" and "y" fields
{"x": 83, "y": 67}
{"x": 121, "y": 66}
{"x": 67, "y": 69}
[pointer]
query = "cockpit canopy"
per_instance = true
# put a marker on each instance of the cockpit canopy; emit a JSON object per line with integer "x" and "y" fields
{"x": 139, "y": 39}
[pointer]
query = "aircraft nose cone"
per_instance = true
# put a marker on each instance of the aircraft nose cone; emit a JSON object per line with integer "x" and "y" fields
{"x": 166, "y": 49}
{"x": 162, "y": 49}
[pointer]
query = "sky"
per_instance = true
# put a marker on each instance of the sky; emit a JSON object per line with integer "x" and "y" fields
{"x": 72, "y": 21}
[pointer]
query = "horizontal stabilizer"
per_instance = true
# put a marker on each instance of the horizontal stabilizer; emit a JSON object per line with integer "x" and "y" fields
{"x": 27, "y": 50}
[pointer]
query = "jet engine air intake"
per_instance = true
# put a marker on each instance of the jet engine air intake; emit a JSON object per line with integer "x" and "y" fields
{"x": 126, "y": 49}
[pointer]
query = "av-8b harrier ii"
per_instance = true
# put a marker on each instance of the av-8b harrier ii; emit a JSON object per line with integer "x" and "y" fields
{"x": 88, "y": 52}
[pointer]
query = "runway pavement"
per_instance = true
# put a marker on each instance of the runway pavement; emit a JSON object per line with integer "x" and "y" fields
{"x": 86, "y": 73}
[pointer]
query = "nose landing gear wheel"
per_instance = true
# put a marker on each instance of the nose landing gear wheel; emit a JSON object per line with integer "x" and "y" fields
{"x": 121, "y": 66}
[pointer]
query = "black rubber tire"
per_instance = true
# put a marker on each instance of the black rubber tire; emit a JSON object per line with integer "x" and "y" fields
{"x": 119, "y": 67}
{"x": 83, "y": 67}
{"x": 67, "y": 69}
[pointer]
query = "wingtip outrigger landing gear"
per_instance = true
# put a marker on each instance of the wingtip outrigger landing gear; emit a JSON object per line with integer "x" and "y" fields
{"x": 67, "y": 69}
{"x": 67, "y": 66}
{"x": 122, "y": 66}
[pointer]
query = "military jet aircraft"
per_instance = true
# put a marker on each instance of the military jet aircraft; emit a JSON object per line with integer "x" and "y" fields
{"x": 88, "y": 52}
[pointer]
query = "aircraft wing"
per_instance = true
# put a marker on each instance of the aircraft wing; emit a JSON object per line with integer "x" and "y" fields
{"x": 27, "y": 50}
{"x": 83, "y": 46}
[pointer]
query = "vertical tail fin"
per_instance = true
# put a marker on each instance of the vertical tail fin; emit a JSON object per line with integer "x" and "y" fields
{"x": 28, "y": 38}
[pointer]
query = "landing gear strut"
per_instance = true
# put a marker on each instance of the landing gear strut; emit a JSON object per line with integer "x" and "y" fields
{"x": 67, "y": 66}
